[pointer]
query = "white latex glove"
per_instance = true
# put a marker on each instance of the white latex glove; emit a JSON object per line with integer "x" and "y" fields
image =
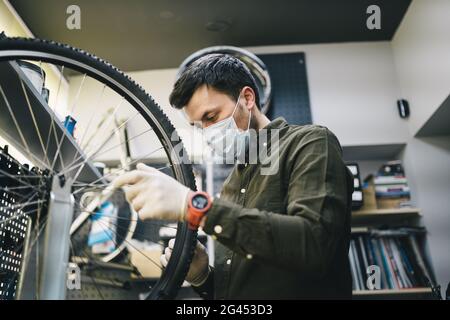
{"x": 153, "y": 194}
{"x": 199, "y": 269}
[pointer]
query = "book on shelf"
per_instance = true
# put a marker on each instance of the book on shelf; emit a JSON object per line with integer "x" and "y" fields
{"x": 390, "y": 180}
{"x": 354, "y": 266}
{"x": 393, "y": 194}
{"x": 391, "y": 186}
{"x": 398, "y": 254}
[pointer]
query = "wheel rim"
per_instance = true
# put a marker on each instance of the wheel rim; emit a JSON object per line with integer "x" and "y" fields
{"x": 139, "y": 105}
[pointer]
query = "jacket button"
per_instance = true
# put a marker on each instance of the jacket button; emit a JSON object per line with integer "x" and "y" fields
{"x": 249, "y": 256}
{"x": 242, "y": 190}
{"x": 229, "y": 261}
{"x": 218, "y": 229}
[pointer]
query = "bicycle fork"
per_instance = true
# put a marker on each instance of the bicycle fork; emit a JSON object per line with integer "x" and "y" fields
{"x": 56, "y": 246}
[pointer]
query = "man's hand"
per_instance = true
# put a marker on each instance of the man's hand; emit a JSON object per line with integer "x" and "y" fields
{"x": 199, "y": 269}
{"x": 153, "y": 194}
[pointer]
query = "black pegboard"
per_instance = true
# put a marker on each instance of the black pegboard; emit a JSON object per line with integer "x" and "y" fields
{"x": 290, "y": 93}
{"x": 14, "y": 221}
{"x": 290, "y": 98}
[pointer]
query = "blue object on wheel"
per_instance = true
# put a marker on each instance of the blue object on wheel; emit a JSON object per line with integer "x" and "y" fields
{"x": 103, "y": 228}
{"x": 69, "y": 124}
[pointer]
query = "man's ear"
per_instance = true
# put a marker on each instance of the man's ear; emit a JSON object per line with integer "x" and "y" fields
{"x": 249, "y": 98}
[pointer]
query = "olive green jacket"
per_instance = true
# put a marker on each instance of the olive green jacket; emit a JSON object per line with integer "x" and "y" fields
{"x": 284, "y": 235}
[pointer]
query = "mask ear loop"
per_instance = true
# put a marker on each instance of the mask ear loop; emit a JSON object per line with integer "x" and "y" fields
{"x": 249, "y": 116}
{"x": 249, "y": 120}
{"x": 235, "y": 107}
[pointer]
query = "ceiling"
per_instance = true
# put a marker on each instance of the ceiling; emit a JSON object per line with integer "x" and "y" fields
{"x": 154, "y": 34}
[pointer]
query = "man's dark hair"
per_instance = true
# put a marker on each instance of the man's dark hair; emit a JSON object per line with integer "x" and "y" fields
{"x": 222, "y": 72}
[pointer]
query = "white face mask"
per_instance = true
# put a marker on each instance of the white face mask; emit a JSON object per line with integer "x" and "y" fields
{"x": 227, "y": 141}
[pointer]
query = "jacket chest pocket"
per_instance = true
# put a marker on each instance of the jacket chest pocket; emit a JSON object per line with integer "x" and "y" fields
{"x": 267, "y": 194}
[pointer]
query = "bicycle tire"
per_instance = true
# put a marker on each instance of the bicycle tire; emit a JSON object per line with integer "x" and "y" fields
{"x": 80, "y": 60}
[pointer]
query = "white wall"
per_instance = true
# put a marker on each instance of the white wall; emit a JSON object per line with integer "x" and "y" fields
{"x": 352, "y": 88}
{"x": 421, "y": 48}
{"x": 428, "y": 161}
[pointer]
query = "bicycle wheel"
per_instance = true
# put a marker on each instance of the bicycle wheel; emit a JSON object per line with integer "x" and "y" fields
{"x": 51, "y": 146}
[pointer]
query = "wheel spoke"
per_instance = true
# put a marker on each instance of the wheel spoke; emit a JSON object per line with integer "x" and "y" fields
{"x": 89, "y": 123}
{"x": 91, "y": 157}
{"x": 15, "y": 178}
{"x": 52, "y": 115}
{"x": 32, "y": 158}
{"x": 94, "y": 213}
{"x": 35, "y": 123}
{"x": 121, "y": 169}
{"x": 131, "y": 245}
{"x": 98, "y": 148}
{"x": 58, "y": 150}
{"x": 26, "y": 254}
{"x": 15, "y": 217}
{"x": 15, "y": 192}
{"x": 102, "y": 124}
{"x": 19, "y": 130}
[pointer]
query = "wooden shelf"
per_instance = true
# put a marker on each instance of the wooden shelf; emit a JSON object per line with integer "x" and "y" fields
{"x": 410, "y": 291}
{"x": 386, "y": 212}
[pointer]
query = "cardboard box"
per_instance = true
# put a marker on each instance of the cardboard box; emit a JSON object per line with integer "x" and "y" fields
{"x": 370, "y": 201}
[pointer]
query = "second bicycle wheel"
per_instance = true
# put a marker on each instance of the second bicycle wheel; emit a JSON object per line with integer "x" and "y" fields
{"x": 118, "y": 125}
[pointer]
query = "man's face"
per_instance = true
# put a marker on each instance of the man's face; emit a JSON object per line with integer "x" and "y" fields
{"x": 208, "y": 106}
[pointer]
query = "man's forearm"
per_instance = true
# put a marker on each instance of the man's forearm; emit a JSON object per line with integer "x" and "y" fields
{"x": 206, "y": 289}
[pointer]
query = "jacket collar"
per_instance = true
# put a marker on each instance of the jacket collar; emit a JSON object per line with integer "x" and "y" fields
{"x": 277, "y": 123}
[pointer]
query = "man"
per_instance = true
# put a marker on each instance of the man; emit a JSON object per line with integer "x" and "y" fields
{"x": 283, "y": 235}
